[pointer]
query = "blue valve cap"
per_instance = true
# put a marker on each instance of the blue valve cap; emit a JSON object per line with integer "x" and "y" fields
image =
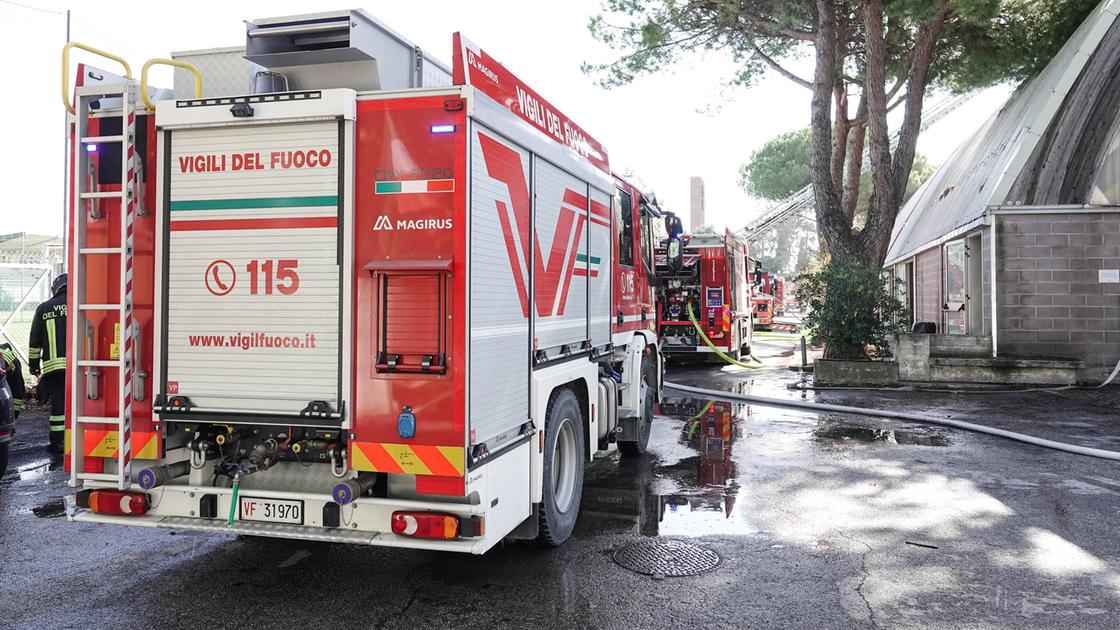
{"x": 147, "y": 479}
{"x": 345, "y": 492}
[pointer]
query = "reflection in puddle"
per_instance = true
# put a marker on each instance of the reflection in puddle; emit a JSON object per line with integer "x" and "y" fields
{"x": 37, "y": 469}
{"x": 686, "y": 487}
{"x": 842, "y": 434}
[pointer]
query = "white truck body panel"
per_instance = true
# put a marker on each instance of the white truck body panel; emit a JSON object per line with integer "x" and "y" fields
{"x": 253, "y": 218}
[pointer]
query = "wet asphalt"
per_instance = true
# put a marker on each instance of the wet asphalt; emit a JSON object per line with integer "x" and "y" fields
{"x": 819, "y": 521}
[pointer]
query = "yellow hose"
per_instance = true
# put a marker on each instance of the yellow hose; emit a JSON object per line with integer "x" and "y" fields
{"x": 720, "y": 353}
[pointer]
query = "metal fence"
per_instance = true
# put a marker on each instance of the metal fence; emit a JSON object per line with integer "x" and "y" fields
{"x": 22, "y": 288}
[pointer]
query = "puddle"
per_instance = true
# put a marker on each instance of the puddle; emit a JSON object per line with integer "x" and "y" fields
{"x": 844, "y": 434}
{"x": 51, "y": 509}
{"x": 38, "y": 469}
{"x": 685, "y": 486}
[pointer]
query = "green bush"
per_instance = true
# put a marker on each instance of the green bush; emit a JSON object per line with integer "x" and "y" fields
{"x": 849, "y": 310}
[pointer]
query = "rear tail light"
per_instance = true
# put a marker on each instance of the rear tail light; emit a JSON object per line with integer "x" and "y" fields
{"x": 113, "y": 502}
{"x": 426, "y": 525}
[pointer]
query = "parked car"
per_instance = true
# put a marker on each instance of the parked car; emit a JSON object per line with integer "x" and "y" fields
{"x": 7, "y": 419}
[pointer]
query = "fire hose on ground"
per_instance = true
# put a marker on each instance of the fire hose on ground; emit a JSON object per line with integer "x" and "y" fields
{"x": 803, "y": 405}
{"x": 720, "y": 353}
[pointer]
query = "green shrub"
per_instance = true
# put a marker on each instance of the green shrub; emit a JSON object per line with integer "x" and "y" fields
{"x": 849, "y": 310}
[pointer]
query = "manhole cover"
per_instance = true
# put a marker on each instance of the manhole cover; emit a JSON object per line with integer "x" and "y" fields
{"x": 666, "y": 558}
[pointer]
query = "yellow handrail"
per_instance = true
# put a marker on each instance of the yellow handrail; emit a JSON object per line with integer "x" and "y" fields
{"x": 66, "y": 68}
{"x": 167, "y": 62}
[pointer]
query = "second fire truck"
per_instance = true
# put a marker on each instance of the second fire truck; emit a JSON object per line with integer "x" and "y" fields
{"x": 709, "y": 293}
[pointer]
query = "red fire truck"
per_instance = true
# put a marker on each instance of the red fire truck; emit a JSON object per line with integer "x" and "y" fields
{"x": 712, "y": 281}
{"x": 762, "y": 298}
{"x": 374, "y": 301}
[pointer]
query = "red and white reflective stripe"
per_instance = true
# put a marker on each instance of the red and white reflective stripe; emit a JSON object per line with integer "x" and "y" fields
{"x": 126, "y": 301}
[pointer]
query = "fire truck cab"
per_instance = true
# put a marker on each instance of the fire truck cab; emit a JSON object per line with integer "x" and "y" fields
{"x": 372, "y": 300}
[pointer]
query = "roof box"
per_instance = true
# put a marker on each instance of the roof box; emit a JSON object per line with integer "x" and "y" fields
{"x": 340, "y": 49}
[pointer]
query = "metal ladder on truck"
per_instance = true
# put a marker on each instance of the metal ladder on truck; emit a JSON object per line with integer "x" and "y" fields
{"x": 85, "y": 362}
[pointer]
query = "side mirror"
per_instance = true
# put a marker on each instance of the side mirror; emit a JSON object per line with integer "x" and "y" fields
{"x": 673, "y": 226}
{"x": 674, "y": 252}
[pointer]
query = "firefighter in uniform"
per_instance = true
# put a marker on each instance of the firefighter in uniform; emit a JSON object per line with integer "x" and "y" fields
{"x": 47, "y": 355}
{"x": 15, "y": 375}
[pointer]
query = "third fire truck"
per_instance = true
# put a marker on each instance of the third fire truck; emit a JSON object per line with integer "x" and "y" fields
{"x": 373, "y": 300}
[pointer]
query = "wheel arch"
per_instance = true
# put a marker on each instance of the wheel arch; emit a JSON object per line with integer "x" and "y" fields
{"x": 582, "y": 378}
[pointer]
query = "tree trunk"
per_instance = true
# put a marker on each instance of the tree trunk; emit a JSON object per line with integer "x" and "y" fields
{"x": 890, "y": 177}
{"x": 855, "y": 147}
{"x": 841, "y": 127}
{"x": 835, "y": 233}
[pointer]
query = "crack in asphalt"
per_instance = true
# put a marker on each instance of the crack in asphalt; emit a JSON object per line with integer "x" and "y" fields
{"x": 863, "y": 579}
{"x": 384, "y": 623}
{"x": 411, "y": 600}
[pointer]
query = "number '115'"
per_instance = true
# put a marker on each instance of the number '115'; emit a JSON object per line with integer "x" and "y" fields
{"x": 287, "y": 280}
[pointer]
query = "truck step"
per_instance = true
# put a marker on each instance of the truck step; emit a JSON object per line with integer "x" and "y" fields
{"x": 99, "y": 363}
{"x": 97, "y": 420}
{"x": 97, "y": 476}
{"x": 102, "y": 139}
{"x": 627, "y": 412}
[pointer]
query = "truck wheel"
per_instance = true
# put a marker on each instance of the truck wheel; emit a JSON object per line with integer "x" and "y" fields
{"x": 565, "y": 450}
{"x": 3, "y": 458}
{"x": 645, "y": 421}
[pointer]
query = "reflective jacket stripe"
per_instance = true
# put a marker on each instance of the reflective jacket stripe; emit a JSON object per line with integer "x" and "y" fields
{"x": 52, "y": 342}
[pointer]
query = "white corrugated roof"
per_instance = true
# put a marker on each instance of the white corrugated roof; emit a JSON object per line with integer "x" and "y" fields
{"x": 980, "y": 173}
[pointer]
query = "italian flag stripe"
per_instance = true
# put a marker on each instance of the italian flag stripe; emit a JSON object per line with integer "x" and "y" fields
{"x": 413, "y": 186}
{"x": 587, "y": 266}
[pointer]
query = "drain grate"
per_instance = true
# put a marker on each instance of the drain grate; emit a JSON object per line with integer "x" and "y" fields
{"x": 666, "y": 558}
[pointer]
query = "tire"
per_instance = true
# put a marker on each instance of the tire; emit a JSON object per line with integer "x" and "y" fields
{"x": 565, "y": 453}
{"x": 4, "y": 458}
{"x": 639, "y": 446}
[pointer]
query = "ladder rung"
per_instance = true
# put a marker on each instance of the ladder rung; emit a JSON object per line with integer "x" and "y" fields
{"x": 97, "y": 420}
{"x": 112, "y": 194}
{"x": 99, "y": 307}
{"x": 84, "y": 476}
{"x": 102, "y": 139}
{"x": 101, "y": 250}
{"x": 99, "y": 363}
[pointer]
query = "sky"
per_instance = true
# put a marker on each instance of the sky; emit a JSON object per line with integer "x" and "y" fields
{"x": 662, "y": 128}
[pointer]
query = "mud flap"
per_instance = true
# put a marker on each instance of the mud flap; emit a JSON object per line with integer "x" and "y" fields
{"x": 629, "y": 425}
{"x": 529, "y": 529}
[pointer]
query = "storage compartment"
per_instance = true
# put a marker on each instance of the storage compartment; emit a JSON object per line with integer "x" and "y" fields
{"x": 411, "y": 317}
{"x": 340, "y": 49}
{"x": 252, "y": 309}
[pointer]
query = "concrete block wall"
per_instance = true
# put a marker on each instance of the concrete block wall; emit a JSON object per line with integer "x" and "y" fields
{"x": 927, "y": 293}
{"x": 1050, "y": 300}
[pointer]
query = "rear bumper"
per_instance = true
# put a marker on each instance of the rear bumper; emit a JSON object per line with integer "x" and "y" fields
{"x": 363, "y": 522}
{"x": 274, "y": 530}
{"x": 667, "y": 349}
